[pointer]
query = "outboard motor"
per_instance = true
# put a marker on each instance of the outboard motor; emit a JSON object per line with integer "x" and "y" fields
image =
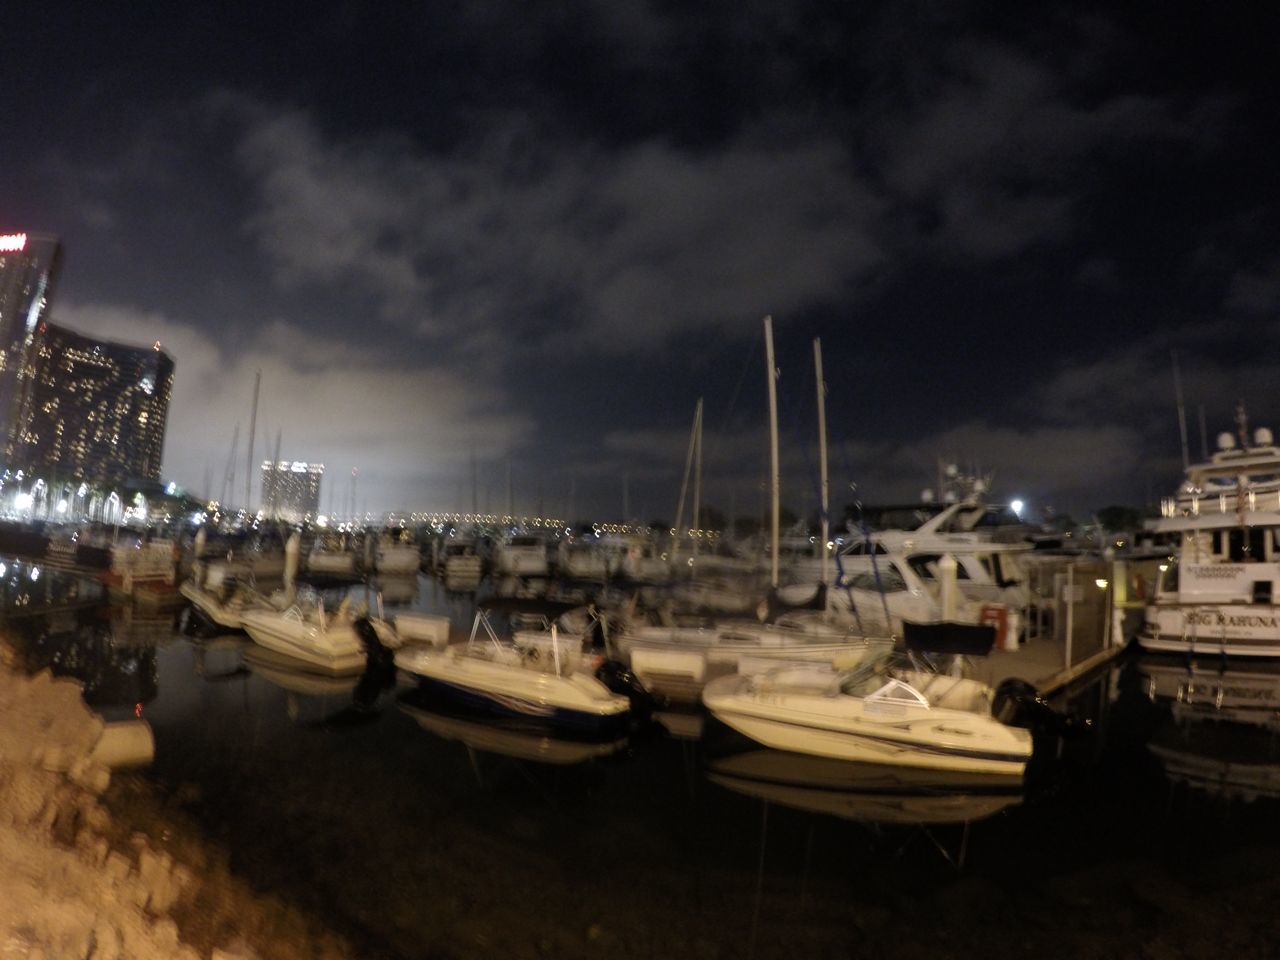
{"x": 619, "y": 679}
{"x": 1019, "y": 704}
{"x": 379, "y": 668}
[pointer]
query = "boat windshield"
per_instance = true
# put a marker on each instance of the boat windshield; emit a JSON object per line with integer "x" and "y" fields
{"x": 870, "y": 675}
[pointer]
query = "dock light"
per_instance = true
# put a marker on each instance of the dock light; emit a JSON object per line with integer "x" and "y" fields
{"x": 1101, "y": 583}
{"x": 1017, "y": 506}
{"x": 62, "y": 506}
{"x": 23, "y": 501}
{"x": 1164, "y": 567}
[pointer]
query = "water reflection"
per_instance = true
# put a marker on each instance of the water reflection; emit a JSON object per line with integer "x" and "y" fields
{"x": 29, "y": 587}
{"x": 92, "y": 645}
{"x": 864, "y": 792}
{"x": 1217, "y": 730}
{"x": 506, "y": 739}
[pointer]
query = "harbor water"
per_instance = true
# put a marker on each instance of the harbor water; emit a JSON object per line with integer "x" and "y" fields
{"x": 1148, "y": 827}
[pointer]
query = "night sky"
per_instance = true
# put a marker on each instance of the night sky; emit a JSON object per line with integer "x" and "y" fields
{"x": 536, "y": 234}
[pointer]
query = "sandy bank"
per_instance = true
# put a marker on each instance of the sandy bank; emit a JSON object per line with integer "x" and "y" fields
{"x": 93, "y": 871}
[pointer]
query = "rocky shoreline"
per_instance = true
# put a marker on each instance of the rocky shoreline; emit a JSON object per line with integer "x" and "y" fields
{"x": 92, "y": 869}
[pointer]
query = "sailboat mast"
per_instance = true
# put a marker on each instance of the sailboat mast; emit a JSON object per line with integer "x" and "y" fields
{"x": 229, "y": 475}
{"x": 774, "y": 480}
{"x": 822, "y": 453}
{"x": 1182, "y": 410}
{"x": 684, "y": 481}
{"x": 253, "y": 423}
{"x": 697, "y": 480}
{"x": 274, "y": 474}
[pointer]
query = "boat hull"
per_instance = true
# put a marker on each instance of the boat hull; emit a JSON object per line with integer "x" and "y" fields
{"x": 336, "y": 650}
{"x": 574, "y": 704}
{"x": 1233, "y": 630}
{"x": 843, "y": 728}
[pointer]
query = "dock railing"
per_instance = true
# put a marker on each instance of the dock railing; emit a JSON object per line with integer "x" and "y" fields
{"x": 1081, "y": 610}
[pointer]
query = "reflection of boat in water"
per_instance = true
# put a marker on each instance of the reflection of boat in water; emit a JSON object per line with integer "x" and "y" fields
{"x": 506, "y": 739}
{"x": 1221, "y": 732}
{"x": 863, "y": 791}
{"x": 1248, "y": 692}
{"x": 1233, "y": 760}
{"x": 294, "y": 675}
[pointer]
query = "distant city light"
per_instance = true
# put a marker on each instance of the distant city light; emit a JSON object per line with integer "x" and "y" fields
{"x": 13, "y": 242}
{"x": 23, "y": 501}
{"x": 1017, "y": 506}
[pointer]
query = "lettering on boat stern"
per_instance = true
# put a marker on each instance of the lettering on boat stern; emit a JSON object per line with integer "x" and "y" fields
{"x": 1216, "y": 618}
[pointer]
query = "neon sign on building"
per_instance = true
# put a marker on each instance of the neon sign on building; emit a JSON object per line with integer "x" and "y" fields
{"x": 12, "y": 242}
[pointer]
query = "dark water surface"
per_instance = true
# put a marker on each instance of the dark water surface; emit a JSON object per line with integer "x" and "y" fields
{"x": 421, "y": 834}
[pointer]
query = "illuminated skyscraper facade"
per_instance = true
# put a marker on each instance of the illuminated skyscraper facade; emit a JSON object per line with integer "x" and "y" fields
{"x": 92, "y": 410}
{"x": 291, "y": 490}
{"x": 29, "y": 268}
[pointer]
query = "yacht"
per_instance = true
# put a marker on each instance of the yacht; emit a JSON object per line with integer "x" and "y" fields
{"x": 540, "y": 673}
{"x": 458, "y": 558}
{"x": 1220, "y": 595}
{"x": 332, "y": 556}
{"x": 395, "y": 555}
{"x": 582, "y": 560}
{"x": 522, "y": 556}
{"x": 890, "y": 709}
{"x": 674, "y": 663}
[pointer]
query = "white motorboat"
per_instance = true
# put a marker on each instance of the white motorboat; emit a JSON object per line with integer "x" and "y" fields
{"x": 540, "y": 675}
{"x": 675, "y": 663}
{"x": 1222, "y": 594}
{"x": 459, "y": 559}
{"x": 887, "y": 710}
{"x": 522, "y": 556}
{"x": 393, "y": 555}
{"x": 582, "y": 560}
{"x": 332, "y": 557}
{"x": 326, "y": 642}
{"x": 226, "y": 606}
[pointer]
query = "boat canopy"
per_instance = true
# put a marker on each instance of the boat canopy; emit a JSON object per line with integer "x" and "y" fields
{"x": 551, "y": 609}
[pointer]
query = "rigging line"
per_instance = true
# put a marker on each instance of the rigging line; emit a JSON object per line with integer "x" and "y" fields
{"x": 741, "y": 378}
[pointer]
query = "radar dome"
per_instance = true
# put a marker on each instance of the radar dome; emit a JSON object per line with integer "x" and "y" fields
{"x": 1262, "y": 437}
{"x": 1225, "y": 440}
{"x": 926, "y": 496}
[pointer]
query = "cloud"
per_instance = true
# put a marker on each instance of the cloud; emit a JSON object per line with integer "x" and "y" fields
{"x": 996, "y": 147}
{"x": 615, "y": 248}
{"x": 411, "y": 430}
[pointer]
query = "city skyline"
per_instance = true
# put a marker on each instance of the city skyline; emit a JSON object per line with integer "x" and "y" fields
{"x": 538, "y": 241}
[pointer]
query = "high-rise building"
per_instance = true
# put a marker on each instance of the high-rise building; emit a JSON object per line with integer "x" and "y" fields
{"x": 91, "y": 410}
{"x": 29, "y": 268}
{"x": 291, "y": 489}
